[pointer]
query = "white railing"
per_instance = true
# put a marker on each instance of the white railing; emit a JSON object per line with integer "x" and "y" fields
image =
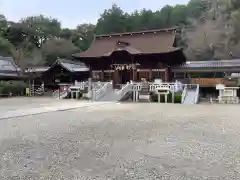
{"x": 190, "y": 87}
{"x": 184, "y": 93}
{"x": 136, "y": 86}
{"x": 98, "y": 85}
{"x": 153, "y": 87}
{"x": 63, "y": 94}
{"x": 80, "y": 85}
{"x": 197, "y": 94}
{"x": 85, "y": 84}
{"x": 121, "y": 93}
{"x": 59, "y": 92}
{"x": 97, "y": 94}
{"x": 60, "y": 95}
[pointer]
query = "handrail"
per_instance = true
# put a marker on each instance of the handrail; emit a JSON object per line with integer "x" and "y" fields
{"x": 121, "y": 93}
{"x": 102, "y": 91}
{"x": 184, "y": 93}
{"x": 117, "y": 95}
{"x": 197, "y": 95}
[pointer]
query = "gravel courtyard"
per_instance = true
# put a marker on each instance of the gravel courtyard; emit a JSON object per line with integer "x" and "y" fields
{"x": 123, "y": 141}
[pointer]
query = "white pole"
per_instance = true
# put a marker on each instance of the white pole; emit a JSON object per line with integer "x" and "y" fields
{"x": 137, "y": 96}
{"x": 77, "y": 95}
{"x": 173, "y": 91}
{"x": 134, "y": 96}
{"x": 33, "y": 87}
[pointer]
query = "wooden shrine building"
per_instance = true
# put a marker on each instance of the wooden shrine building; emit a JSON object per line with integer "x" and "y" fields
{"x": 9, "y": 70}
{"x": 209, "y": 73}
{"x": 133, "y": 56}
{"x": 62, "y": 71}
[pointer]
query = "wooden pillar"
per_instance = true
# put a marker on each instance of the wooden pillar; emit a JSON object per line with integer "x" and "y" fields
{"x": 134, "y": 74}
{"x": 102, "y": 76}
{"x": 166, "y": 75}
{"x": 150, "y": 75}
{"x": 90, "y": 71}
{"x": 115, "y": 78}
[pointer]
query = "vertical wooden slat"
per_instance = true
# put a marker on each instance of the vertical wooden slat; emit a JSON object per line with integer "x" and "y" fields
{"x": 102, "y": 76}
{"x": 150, "y": 75}
{"x": 134, "y": 74}
{"x": 166, "y": 78}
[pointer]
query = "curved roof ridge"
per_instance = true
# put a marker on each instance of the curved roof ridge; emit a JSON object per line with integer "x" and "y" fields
{"x": 136, "y": 32}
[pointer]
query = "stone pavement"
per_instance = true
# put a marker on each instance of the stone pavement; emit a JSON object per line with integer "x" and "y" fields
{"x": 36, "y": 107}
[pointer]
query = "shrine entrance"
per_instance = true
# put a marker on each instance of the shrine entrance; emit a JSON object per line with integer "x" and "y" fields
{"x": 125, "y": 76}
{"x": 123, "y": 73}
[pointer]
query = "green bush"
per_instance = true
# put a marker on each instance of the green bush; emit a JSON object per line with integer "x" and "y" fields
{"x": 177, "y": 97}
{"x": 12, "y": 88}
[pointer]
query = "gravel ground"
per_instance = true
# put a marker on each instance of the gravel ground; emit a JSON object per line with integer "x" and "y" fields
{"x": 7, "y": 104}
{"x": 123, "y": 141}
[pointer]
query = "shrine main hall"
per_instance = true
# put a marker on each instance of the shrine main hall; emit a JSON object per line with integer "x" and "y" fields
{"x": 132, "y": 56}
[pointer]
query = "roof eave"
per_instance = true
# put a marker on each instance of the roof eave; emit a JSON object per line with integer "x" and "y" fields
{"x": 137, "y": 32}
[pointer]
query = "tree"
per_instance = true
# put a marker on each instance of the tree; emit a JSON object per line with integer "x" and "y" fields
{"x": 214, "y": 23}
{"x": 42, "y": 27}
{"x": 58, "y": 48}
{"x": 3, "y": 24}
{"x": 6, "y": 48}
{"x": 112, "y": 21}
{"x": 66, "y": 33}
{"x": 83, "y": 36}
{"x": 22, "y": 40}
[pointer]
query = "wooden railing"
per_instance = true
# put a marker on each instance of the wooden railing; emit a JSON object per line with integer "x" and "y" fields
{"x": 213, "y": 81}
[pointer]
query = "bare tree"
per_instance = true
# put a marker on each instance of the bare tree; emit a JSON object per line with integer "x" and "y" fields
{"x": 210, "y": 36}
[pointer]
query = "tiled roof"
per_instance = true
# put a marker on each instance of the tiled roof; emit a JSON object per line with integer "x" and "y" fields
{"x": 145, "y": 42}
{"x": 210, "y": 64}
{"x": 73, "y": 66}
{"x": 38, "y": 69}
{"x": 9, "y": 75}
{"x": 8, "y": 67}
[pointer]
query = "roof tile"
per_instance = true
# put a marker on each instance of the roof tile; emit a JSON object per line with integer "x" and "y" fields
{"x": 148, "y": 42}
{"x": 209, "y": 64}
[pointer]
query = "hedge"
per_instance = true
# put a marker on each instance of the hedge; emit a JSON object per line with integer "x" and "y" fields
{"x": 12, "y": 88}
{"x": 177, "y": 97}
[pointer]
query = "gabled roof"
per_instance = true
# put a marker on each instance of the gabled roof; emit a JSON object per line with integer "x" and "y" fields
{"x": 144, "y": 42}
{"x": 72, "y": 66}
{"x": 232, "y": 63}
{"x": 8, "y": 67}
{"x": 69, "y": 65}
{"x": 38, "y": 69}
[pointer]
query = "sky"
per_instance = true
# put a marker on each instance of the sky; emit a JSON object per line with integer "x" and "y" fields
{"x": 73, "y": 12}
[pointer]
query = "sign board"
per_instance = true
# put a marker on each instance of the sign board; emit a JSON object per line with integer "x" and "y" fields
{"x": 157, "y": 81}
{"x": 220, "y": 86}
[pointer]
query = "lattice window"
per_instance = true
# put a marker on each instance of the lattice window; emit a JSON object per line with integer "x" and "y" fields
{"x": 107, "y": 76}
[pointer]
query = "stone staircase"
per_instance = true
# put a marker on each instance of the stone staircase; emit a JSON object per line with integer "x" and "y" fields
{"x": 107, "y": 93}
{"x": 60, "y": 95}
{"x": 190, "y": 94}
